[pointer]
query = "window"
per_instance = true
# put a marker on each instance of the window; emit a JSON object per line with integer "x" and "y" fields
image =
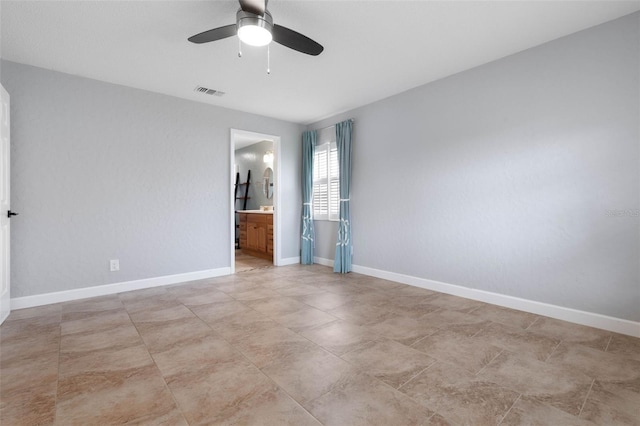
{"x": 326, "y": 182}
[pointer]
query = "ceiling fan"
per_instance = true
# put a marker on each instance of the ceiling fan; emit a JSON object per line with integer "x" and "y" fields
{"x": 254, "y": 26}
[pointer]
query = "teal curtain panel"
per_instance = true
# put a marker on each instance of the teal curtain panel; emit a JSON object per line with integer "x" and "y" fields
{"x": 308, "y": 149}
{"x": 344, "y": 247}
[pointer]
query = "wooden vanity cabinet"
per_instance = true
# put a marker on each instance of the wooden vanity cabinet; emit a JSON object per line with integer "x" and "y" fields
{"x": 242, "y": 225}
{"x": 270, "y": 238}
{"x": 256, "y": 234}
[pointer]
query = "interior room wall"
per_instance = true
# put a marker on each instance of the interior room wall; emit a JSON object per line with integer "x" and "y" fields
{"x": 251, "y": 158}
{"x": 518, "y": 177}
{"x": 101, "y": 171}
{"x": 0, "y": 40}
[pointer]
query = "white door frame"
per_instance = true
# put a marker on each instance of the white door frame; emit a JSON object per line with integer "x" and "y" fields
{"x": 277, "y": 235}
{"x": 5, "y": 198}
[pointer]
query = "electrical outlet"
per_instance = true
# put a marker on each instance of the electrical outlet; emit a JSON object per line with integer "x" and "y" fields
{"x": 114, "y": 265}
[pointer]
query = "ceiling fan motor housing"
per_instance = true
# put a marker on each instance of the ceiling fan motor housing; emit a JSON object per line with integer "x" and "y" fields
{"x": 247, "y": 21}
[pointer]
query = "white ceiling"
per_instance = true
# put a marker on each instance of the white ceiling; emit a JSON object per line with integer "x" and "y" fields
{"x": 373, "y": 49}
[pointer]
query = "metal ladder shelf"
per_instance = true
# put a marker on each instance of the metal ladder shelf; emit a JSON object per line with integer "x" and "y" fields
{"x": 244, "y": 201}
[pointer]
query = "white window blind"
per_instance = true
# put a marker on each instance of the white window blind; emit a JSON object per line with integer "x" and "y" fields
{"x": 326, "y": 182}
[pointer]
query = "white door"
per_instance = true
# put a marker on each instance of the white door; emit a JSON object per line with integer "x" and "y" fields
{"x": 5, "y": 301}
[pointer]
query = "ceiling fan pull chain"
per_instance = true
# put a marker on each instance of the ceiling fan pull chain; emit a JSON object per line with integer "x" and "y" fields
{"x": 239, "y": 48}
{"x": 268, "y": 60}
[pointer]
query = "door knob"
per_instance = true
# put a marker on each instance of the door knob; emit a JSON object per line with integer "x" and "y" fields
{"x": 10, "y": 213}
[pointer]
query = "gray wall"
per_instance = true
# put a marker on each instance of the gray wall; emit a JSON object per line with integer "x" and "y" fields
{"x": 101, "y": 172}
{"x": 251, "y": 158}
{"x": 504, "y": 177}
{"x": 0, "y": 39}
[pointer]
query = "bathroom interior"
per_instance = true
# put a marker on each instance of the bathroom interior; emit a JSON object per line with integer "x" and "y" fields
{"x": 254, "y": 185}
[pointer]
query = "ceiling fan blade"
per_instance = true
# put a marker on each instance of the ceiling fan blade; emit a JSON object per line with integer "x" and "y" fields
{"x": 296, "y": 41}
{"x": 214, "y": 34}
{"x": 257, "y": 7}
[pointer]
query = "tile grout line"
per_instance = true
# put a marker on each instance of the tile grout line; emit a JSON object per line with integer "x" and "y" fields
{"x": 260, "y": 369}
{"x": 510, "y": 408}
{"x": 431, "y": 366}
{"x": 242, "y": 354}
{"x": 254, "y": 365}
{"x": 608, "y": 342}
{"x": 553, "y": 350}
{"x": 473, "y": 310}
{"x": 55, "y": 412}
{"x": 586, "y": 398}
{"x": 420, "y": 340}
{"x": 340, "y": 357}
{"x": 483, "y": 328}
{"x": 166, "y": 385}
{"x": 164, "y": 379}
{"x": 358, "y": 346}
{"x": 355, "y": 348}
{"x": 398, "y": 389}
{"x": 411, "y": 398}
{"x": 215, "y": 333}
{"x": 417, "y": 374}
{"x": 288, "y": 328}
{"x": 534, "y": 321}
{"x": 290, "y": 396}
{"x": 487, "y": 364}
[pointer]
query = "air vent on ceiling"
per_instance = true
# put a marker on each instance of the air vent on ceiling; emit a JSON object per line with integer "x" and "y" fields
{"x": 207, "y": 91}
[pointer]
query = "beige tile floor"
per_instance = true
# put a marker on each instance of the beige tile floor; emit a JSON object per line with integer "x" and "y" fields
{"x": 300, "y": 345}
{"x": 246, "y": 263}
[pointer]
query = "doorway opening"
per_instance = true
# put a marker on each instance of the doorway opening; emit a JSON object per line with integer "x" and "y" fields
{"x": 255, "y": 200}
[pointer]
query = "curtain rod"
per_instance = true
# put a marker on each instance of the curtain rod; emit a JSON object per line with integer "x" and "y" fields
{"x": 333, "y": 125}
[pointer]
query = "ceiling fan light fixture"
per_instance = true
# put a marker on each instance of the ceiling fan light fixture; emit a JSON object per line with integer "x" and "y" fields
{"x": 254, "y": 35}
{"x": 254, "y": 30}
{"x": 254, "y": 26}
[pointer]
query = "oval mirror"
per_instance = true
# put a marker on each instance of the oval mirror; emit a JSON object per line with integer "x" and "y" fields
{"x": 267, "y": 183}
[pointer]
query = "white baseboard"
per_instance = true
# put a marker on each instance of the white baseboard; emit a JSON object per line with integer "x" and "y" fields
{"x": 590, "y": 319}
{"x": 323, "y": 261}
{"x": 618, "y": 325}
{"x": 103, "y": 290}
{"x": 289, "y": 261}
